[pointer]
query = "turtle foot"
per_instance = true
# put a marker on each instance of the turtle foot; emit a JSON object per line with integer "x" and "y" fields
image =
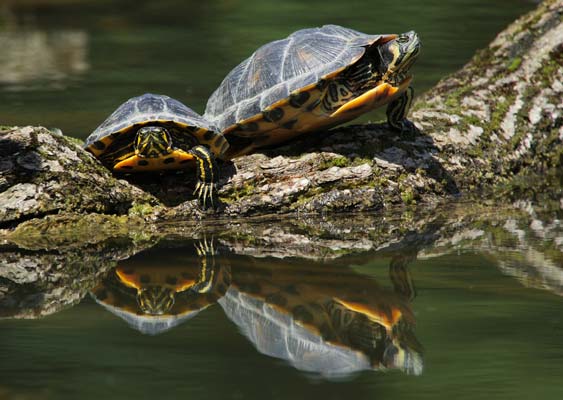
{"x": 206, "y": 194}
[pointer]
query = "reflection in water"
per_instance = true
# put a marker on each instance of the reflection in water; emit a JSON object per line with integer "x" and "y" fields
{"x": 533, "y": 269}
{"x": 527, "y": 247}
{"x": 30, "y": 55}
{"x": 323, "y": 314}
{"x": 322, "y": 319}
{"x": 534, "y": 266}
{"x": 153, "y": 294}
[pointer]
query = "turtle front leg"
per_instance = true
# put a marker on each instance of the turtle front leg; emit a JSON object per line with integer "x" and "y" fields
{"x": 207, "y": 175}
{"x": 397, "y": 112}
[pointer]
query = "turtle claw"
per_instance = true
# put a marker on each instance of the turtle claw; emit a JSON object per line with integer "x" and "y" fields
{"x": 206, "y": 194}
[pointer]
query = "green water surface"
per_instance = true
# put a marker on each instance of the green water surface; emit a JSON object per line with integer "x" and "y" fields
{"x": 479, "y": 332}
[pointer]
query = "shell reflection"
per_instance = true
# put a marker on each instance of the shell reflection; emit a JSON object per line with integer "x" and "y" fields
{"x": 324, "y": 319}
{"x": 153, "y": 294}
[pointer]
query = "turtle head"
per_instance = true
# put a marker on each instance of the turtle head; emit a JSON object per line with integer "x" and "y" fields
{"x": 155, "y": 300}
{"x": 398, "y": 55}
{"x": 152, "y": 142}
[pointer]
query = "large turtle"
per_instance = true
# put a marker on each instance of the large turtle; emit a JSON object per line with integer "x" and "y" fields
{"x": 155, "y": 132}
{"x": 315, "y": 78}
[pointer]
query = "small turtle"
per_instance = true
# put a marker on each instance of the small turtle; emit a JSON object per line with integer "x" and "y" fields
{"x": 314, "y": 79}
{"x": 153, "y": 297}
{"x": 154, "y": 133}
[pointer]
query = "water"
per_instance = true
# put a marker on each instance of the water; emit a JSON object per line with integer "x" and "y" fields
{"x": 438, "y": 306}
{"x": 69, "y": 64}
{"x": 466, "y": 303}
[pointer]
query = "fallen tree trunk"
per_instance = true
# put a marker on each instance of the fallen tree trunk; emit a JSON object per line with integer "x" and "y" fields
{"x": 497, "y": 120}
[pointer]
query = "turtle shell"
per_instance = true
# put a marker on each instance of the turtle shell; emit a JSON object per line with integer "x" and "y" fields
{"x": 187, "y": 128}
{"x": 280, "y": 84}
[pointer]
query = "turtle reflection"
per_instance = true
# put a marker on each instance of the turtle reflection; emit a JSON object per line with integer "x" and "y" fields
{"x": 321, "y": 318}
{"x": 325, "y": 319}
{"x": 153, "y": 293}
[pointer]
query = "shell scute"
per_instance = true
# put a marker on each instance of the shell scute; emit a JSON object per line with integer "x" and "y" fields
{"x": 281, "y": 67}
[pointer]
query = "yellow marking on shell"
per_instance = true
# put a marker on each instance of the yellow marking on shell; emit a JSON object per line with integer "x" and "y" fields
{"x": 134, "y": 280}
{"x": 385, "y": 319}
{"x": 270, "y": 133}
{"x": 371, "y": 99}
{"x": 200, "y": 133}
{"x": 106, "y": 141}
{"x": 309, "y": 121}
{"x": 131, "y": 164}
{"x": 131, "y": 281}
{"x": 386, "y": 38}
{"x": 215, "y": 143}
{"x": 114, "y": 297}
{"x": 289, "y": 113}
{"x": 164, "y": 122}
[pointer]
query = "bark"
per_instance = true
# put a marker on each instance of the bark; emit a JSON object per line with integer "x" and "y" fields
{"x": 487, "y": 129}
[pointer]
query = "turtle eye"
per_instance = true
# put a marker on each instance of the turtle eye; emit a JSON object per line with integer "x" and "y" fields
{"x": 403, "y": 39}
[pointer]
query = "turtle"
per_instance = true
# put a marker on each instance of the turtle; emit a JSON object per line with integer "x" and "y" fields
{"x": 153, "y": 294}
{"x": 155, "y": 132}
{"x": 334, "y": 322}
{"x": 316, "y": 78}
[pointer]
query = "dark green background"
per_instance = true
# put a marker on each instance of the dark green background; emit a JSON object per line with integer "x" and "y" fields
{"x": 185, "y": 48}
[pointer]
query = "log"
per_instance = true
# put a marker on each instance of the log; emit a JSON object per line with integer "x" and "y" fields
{"x": 487, "y": 130}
